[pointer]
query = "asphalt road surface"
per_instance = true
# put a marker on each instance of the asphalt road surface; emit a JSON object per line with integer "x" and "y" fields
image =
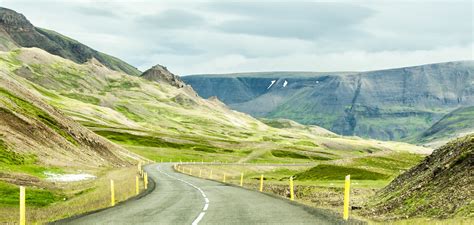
{"x": 182, "y": 199}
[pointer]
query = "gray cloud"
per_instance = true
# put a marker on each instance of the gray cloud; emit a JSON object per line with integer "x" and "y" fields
{"x": 172, "y": 19}
{"x": 287, "y": 20}
{"x": 96, "y": 11}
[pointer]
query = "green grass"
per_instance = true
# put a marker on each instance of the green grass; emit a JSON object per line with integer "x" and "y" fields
{"x": 392, "y": 163}
{"x": 153, "y": 141}
{"x": 21, "y": 163}
{"x": 335, "y": 172}
{"x": 31, "y": 110}
{"x": 288, "y": 154}
{"x": 306, "y": 143}
{"x": 129, "y": 114}
{"x": 8, "y": 157}
{"x": 9, "y": 196}
{"x": 83, "y": 98}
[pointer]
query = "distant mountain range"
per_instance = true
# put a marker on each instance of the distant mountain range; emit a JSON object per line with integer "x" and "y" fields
{"x": 393, "y": 104}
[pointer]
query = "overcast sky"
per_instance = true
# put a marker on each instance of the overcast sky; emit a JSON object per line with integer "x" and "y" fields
{"x": 222, "y": 37}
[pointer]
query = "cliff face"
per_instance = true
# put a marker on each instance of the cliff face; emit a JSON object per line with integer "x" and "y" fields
{"x": 17, "y": 31}
{"x": 386, "y": 104}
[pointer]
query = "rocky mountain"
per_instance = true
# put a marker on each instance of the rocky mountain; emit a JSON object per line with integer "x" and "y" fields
{"x": 17, "y": 31}
{"x": 387, "y": 104}
{"x": 440, "y": 186}
{"x": 160, "y": 73}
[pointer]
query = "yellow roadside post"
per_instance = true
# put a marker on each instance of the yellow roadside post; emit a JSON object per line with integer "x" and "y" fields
{"x": 292, "y": 192}
{"x": 137, "y": 185}
{"x": 223, "y": 180}
{"x": 347, "y": 191}
{"x": 200, "y": 172}
{"x": 22, "y": 206}
{"x": 210, "y": 175}
{"x": 112, "y": 193}
{"x": 139, "y": 166}
{"x": 261, "y": 183}
{"x": 241, "y": 179}
{"x": 145, "y": 180}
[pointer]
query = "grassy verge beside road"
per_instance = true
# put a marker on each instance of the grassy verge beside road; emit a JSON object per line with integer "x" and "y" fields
{"x": 62, "y": 200}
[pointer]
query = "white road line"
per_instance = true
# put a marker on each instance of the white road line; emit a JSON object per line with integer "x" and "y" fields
{"x": 199, "y": 218}
{"x": 201, "y": 215}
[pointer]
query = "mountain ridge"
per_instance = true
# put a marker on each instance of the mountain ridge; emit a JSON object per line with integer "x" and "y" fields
{"x": 19, "y": 32}
{"x": 405, "y": 101}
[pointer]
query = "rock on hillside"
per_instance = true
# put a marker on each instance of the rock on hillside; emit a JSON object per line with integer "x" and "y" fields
{"x": 16, "y": 30}
{"x": 440, "y": 186}
{"x": 160, "y": 73}
{"x": 387, "y": 104}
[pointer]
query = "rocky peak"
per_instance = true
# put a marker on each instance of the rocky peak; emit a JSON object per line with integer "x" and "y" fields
{"x": 13, "y": 21}
{"x": 160, "y": 73}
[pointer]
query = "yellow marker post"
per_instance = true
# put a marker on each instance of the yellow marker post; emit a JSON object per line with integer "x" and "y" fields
{"x": 261, "y": 183}
{"x": 22, "y": 206}
{"x": 241, "y": 179}
{"x": 200, "y": 172}
{"x": 292, "y": 192}
{"x": 137, "y": 185}
{"x": 112, "y": 193}
{"x": 139, "y": 166}
{"x": 347, "y": 191}
{"x": 223, "y": 180}
{"x": 210, "y": 175}
{"x": 145, "y": 180}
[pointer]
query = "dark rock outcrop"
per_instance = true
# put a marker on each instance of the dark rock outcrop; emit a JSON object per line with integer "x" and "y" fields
{"x": 160, "y": 74}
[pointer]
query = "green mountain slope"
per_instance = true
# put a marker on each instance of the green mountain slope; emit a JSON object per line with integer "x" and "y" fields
{"x": 161, "y": 121}
{"x": 16, "y": 30}
{"x": 36, "y": 138}
{"x": 455, "y": 124}
{"x": 440, "y": 186}
{"x": 388, "y": 104}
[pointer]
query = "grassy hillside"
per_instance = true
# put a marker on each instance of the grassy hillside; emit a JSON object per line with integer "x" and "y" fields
{"x": 455, "y": 124}
{"x": 441, "y": 186}
{"x": 161, "y": 121}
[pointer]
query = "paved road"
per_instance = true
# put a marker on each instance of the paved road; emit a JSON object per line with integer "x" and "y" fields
{"x": 182, "y": 199}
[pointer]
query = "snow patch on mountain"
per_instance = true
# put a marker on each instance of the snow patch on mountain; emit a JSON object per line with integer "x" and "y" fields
{"x": 273, "y": 82}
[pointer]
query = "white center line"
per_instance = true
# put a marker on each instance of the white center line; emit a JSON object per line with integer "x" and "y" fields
{"x": 206, "y": 205}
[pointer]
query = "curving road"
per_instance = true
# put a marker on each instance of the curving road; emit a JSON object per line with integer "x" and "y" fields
{"x": 182, "y": 199}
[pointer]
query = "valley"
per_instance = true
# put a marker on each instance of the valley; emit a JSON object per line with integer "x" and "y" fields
{"x": 72, "y": 119}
